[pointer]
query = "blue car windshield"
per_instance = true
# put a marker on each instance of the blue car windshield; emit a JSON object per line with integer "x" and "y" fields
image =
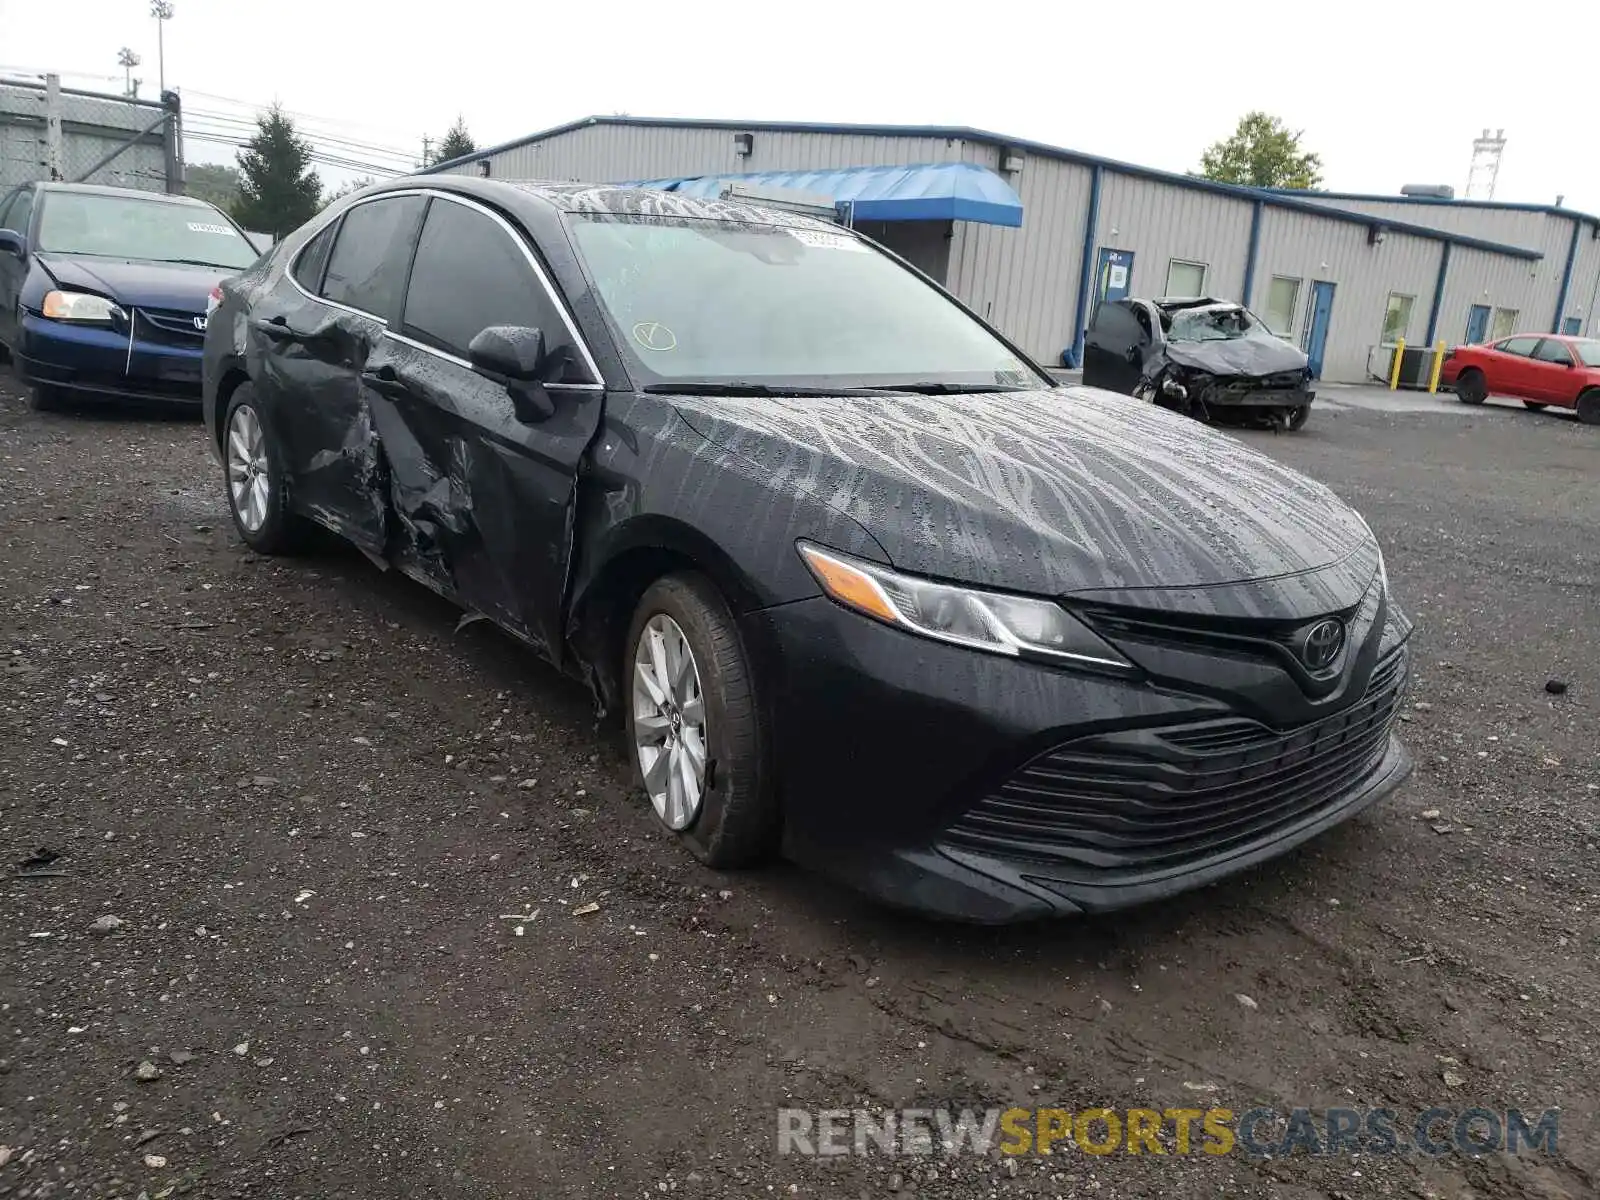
{"x": 132, "y": 227}
{"x": 772, "y": 305}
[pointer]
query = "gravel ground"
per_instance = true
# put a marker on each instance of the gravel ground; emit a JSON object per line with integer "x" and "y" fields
{"x": 353, "y": 855}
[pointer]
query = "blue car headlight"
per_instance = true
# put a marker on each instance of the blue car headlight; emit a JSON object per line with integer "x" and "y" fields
{"x": 81, "y": 307}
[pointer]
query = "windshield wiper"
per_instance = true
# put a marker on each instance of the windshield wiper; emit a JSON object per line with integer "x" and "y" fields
{"x": 950, "y": 389}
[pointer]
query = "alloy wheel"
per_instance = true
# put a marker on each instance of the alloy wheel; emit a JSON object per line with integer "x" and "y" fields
{"x": 248, "y": 483}
{"x": 669, "y": 721}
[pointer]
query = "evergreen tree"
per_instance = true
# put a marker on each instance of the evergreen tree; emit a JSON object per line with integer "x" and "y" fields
{"x": 278, "y": 190}
{"x": 456, "y": 142}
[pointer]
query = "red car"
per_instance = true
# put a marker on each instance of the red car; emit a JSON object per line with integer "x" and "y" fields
{"x": 1540, "y": 369}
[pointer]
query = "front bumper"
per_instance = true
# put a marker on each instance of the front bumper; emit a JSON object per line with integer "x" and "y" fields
{"x": 96, "y": 361}
{"x": 1236, "y": 397}
{"x": 893, "y": 752}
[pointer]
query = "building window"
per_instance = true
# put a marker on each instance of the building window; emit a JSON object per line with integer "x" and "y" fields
{"x": 1186, "y": 278}
{"x": 1397, "y": 317}
{"x": 1283, "y": 294}
{"x": 1505, "y": 323}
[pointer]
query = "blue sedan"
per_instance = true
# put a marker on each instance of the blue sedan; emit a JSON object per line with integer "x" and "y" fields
{"x": 104, "y": 292}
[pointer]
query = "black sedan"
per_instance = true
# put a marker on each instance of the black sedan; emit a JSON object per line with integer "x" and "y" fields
{"x": 860, "y": 582}
{"x": 104, "y": 291}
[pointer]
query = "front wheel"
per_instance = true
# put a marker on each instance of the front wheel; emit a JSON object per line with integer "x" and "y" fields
{"x": 698, "y": 740}
{"x": 1297, "y": 416}
{"x": 44, "y": 398}
{"x": 1589, "y": 407}
{"x": 1471, "y": 388}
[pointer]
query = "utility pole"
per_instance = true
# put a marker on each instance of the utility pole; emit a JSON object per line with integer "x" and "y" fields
{"x": 427, "y": 144}
{"x": 161, "y": 10}
{"x": 128, "y": 60}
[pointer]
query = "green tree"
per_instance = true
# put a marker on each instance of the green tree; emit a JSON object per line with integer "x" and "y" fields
{"x": 215, "y": 183}
{"x": 1262, "y": 152}
{"x": 278, "y": 190}
{"x": 456, "y": 142}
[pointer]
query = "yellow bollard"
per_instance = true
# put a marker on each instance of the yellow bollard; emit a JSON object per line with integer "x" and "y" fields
{"x": 1394, "y": 371}
{"x": 1438, "y": 362}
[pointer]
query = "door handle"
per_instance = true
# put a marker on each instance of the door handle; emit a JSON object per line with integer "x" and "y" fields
{"x": 275, "y": 330}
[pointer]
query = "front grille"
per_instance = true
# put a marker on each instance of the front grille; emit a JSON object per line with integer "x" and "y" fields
{"x": 1152, "y": 799}
{"x": 169, "y": 327}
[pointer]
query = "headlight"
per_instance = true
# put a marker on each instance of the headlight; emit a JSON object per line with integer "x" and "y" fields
{"x": 78, "y": 306}
{"x": 1019, "y": 626}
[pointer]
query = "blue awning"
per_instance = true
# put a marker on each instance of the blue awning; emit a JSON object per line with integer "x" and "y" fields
{"x": 955, "y": 191}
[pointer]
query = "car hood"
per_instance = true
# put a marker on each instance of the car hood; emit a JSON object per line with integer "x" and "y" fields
{"x": 1050, "y": 492}
{"x": 137, "y": 283}
{"x": 1237, "y": 356}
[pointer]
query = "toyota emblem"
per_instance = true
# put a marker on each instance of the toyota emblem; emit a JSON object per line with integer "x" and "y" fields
{"x": 1322, "y": 644}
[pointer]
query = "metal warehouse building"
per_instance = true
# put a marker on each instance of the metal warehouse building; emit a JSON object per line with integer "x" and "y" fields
{"x": 1032, "y": 236}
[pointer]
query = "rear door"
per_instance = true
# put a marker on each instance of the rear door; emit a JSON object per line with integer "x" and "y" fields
{"x": 1551, "y": 373}
{"x": 1508, "y": 367}
{"x": 308, "y": 342}
{"x": 1114, "y": 348}
{"x": 483, "y": 494}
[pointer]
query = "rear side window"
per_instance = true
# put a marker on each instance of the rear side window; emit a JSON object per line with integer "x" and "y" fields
{"x": 1519, "y": 345}
{"x": 313, "y": 257}
{"x": 368, "y": 261}
{"x": 468, "y": 275}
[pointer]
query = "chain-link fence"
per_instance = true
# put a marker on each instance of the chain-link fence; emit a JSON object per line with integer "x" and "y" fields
{"x": 51, "y": 132}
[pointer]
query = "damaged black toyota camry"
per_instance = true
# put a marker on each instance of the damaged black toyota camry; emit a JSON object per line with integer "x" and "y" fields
{"x": 862, "y": 585}
{"x": 1206, "y": 358}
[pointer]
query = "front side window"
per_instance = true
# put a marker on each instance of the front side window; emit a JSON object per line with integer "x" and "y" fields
{"x": 1505, "y": 323}
{"x": 469, "y": 275}
{"x": 1186, "y": 278}
{"x": 15, "y": 214}
{"x": 1551, "y": 351}
{"x": 132, "y": 227}
{"x": 368, "y": 262}
{"x": 1397, "y": 317}
{"x": 1523, "y": 347}
{"x": 1283, "y": 294}
{"x": 743, "y": 303}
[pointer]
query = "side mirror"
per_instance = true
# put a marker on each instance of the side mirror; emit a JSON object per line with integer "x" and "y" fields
{"x": 12, "y": 243}
{"x": 514, "y": 355}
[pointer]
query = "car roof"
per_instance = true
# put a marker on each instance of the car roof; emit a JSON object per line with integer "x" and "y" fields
{"x": 610, "y": 198}
{"x": 99, "y": 189}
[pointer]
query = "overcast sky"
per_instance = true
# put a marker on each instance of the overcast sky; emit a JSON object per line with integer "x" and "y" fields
{"x": 1388, "y": 93}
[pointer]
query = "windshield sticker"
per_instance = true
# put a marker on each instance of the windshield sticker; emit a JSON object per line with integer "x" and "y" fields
{"x": 818, "y": 240}
{"x": 653, "y": 335}
{"x": 198, "y": 227}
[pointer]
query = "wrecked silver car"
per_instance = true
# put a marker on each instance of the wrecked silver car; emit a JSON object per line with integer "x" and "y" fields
{"x": 1212, "y": 359}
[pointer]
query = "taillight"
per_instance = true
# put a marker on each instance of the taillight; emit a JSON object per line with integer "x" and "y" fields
{"x": 214, "y": 299}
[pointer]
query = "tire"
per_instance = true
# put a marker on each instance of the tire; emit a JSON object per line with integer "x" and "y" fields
{"x": 1470, "y": 388}
{"x": 1589, "y": 406}
{"x": 1533, "y": 406}
{"x": 735, "y": 821}
{"x": 43, "y": 398}
{"x": 1297, "y": 417}
{"x": 260, "y": 510}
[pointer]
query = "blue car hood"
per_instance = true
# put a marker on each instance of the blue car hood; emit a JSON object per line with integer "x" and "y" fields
{"x": 131, "y": 282}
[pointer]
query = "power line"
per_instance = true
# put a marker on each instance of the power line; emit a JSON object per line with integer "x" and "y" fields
{"x": 255, "y": 107}
{"x": 231, "y": 123}
{"x": 332, "y": 160}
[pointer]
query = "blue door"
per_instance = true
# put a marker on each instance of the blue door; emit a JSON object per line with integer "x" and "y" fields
{"x": 1113, "y": 275}
{"x": 1571, "y": 326}
{"x": 1477, "y": 324}
{"x": 1318, "y": 314}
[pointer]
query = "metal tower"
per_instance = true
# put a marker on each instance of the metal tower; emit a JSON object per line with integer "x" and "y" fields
{"x": 1485, "y": 167}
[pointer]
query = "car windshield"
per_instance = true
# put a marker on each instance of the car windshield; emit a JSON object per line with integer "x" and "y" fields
{"x": 737, "y": 303}
{"x": 132, "y": 227}
{"x": 1214, "y": 325}
{"x": 1588, "y": 352}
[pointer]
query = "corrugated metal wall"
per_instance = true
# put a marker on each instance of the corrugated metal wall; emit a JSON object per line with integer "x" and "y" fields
{"x": 1026, "y": 280}
{"x": 1307, "y": 247}
{"x": 1160, "y": 222}
{"x": 1584, "y": 294}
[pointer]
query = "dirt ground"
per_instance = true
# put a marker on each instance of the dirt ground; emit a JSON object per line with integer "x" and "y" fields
{"x": 349, "y": 846}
